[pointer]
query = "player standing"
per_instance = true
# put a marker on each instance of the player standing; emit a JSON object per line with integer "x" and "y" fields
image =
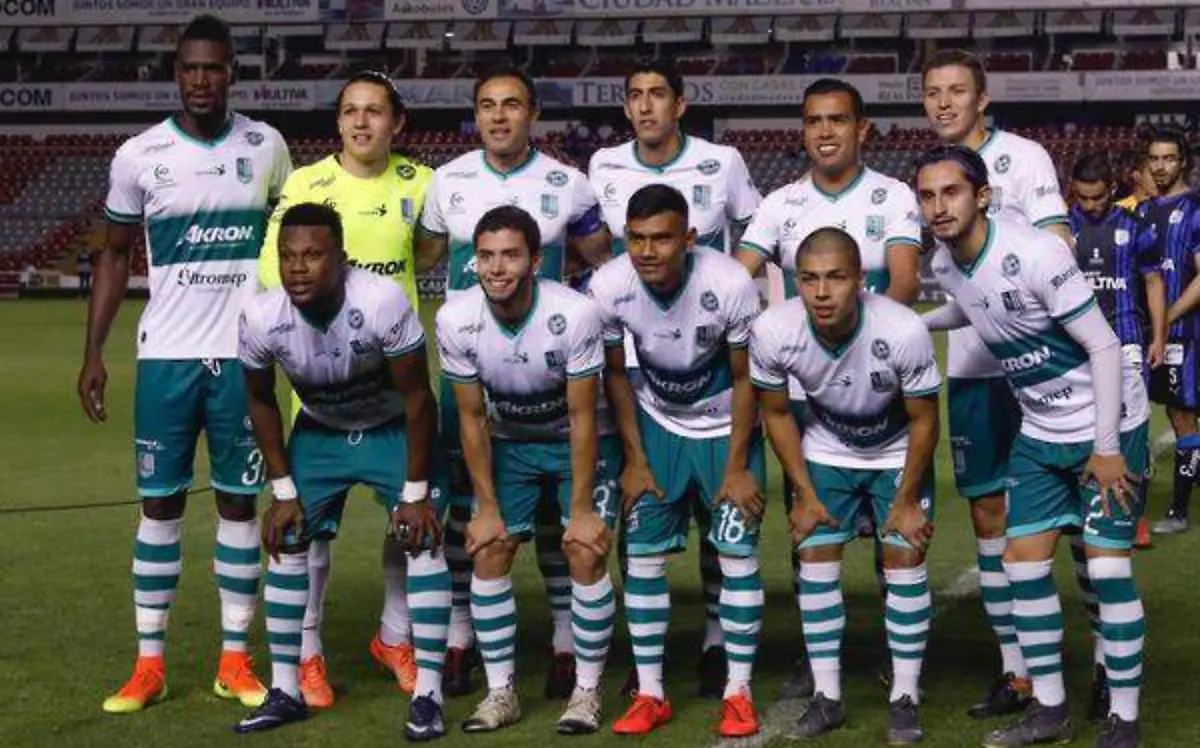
{"x": 984, "y": 415}
{"x": 379, "y": 195}
{"x": 352, "y": 346}
{"x": 1082, "y": 447}
{"x": 721, "y": 199}
{"x": 506, "y": 171}
{"x": 688, "y": 422}
{"x": 201, "y": 182}
{"x": 868, "y": 366}
{"x": 525, "y": 355}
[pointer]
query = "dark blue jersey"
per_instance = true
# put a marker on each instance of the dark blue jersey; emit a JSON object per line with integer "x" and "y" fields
{"x": 1114, "y": 254}
{"x": 1176, "y": 222}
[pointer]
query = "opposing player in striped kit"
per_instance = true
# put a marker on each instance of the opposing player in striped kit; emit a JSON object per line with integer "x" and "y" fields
{"x": 1082, "y": 448}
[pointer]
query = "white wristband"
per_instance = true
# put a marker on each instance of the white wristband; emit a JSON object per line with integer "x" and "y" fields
{"x": 415, "y": 491}
{"x": 284, "y": 488}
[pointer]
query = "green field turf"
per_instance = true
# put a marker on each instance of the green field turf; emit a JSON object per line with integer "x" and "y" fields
{"x": 66, "y": 620}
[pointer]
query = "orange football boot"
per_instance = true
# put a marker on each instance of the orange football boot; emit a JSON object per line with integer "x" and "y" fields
{"x": 645, "y": 714}
{"x": 236, "y": 680}
{"x": 738, "y": 718}
{"x": 314, "y": 685}
{"x": 147, "y": 686}
{"x": 401, "y": 660}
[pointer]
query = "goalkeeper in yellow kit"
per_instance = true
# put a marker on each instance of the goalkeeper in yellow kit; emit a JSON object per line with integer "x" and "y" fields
{"x": 379, "y": 195}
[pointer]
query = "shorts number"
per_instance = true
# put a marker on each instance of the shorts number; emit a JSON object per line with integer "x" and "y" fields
{"x": 732, "y": 526}
{"x": 254, "y": 468}
{"x": 602, "y": 496}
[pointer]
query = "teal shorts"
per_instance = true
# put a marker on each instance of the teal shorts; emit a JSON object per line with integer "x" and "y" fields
{"x": 684, "y": 467}
{"x": 327, "y": 462}
{"x": 985, "y": 419}
{"x": 846, "y": 492}
{"x": 527, "y": 474}
{"x": 173, "y": 401}
{"x": 1044, "y": 492}
{"x": 448, "y": 426}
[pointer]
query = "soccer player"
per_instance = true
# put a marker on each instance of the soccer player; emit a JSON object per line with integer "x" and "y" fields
{"x": 868, "y": 366}
{"x": 1175, "y": 215}
{"x": 688, "y": 422}
{"x": 1141, "y": 185}
{"x": 525, "y": 355}
{"x": 721, "y": 200}
{"x": 507, "y": 170}
{"x": 1082, "y": 448}
{"x": 352, "y": 346}
{"x": 983, "y": 413}
{"x": 201, "y": 183}
{"x": 379, "y": 195}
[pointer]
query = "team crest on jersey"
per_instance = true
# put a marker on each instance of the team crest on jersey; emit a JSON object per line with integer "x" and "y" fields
{"x": 245, "y": 170}
{"x": 1002, "y": 164}
{"x": 408, "y": 209}
{"x": 354, "y": 318}
{"x": 882, "y": 381}
{"x": 709, "y": 166}
{"x": 708, "y": 301}
{"x": 557, "y": 324}
{"x": 456, "y": 202}
{"x": 556, "y": 178}
{"x": 162, "y": 175}
{"x": 1010, "y": 265}
{"x": 1121, "y": 236}
{"x": 1012, "y": 301}
{"x": 875, "y": 227}
{"x": 1176, "y": 217}
{"x": 789, "y": 226}
{"x": 996, "y": 202}
{"x": 405, "y": 171}
{"x": 707, "y": 335}
{"x": 878, "y": 195}
{"x": 556, "y": 359}
{"x": 549, "y": 205}
{"x": 880, "y": 349}
{"x": 254, "y": 138}
{"x": 701, "y": 195}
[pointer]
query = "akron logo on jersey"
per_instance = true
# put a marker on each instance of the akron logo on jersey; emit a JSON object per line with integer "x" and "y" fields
{"x": 878, "y": 196}
{"x": 1010, "y": 265}
{"x": 550, "y": 206}
{"x": 880, "y": 349}
{"x": 557, "y": 324}
{"x": 556, "y": 178}
{"x": 405, "y": 171}
{"x": 354, "y": 318}
{"x": 1002, "y": 164}
{"x": 245, "y": 170}
{"x": 708, "y": 301}
{"x": 709, "y": 166}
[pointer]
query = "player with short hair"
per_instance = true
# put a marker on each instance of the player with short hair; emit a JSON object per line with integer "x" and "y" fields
{"x": 379, "y": 195}
{"x": 525, "y": 355}
{"x": 688, "y": 422}
{"x": 352, "y": 345}
{"x": 721, "y": 199}
{"x": 1083, "y": 445}
{"x": 201, "y": 183}
{"x": 984, "y": 417}
{"x": 507, "y": 170}
{"x": 1139, "y": 183}
{"x": 870, "y": 431}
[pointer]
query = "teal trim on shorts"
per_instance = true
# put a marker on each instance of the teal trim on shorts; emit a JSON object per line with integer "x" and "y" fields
{"x": 1106, "y": 543}
{"x": 1037, "y": 528}
{"x": 676, "y": 544}
{"x": 833, "y": 538}
{"x": 149, "y": 492}
{"x": 238, "y": 490}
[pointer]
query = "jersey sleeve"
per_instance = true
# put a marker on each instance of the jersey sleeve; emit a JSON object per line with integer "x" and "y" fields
{"x": 611, "y": 328}
{"x": 281, "y": 169}
{"x": 126, "y": 200}
{"x": 904, "y": 223}
{"x": 432, "y": 220}
{"x": 397, "y": 323}
{"x": 744, "y": 197}
{"x": 1059, "y": 284}
{"x": 457, "y": 364}
{"x": 762, "y": 235}
{"x": 1042, "y": 198}
{"x": 586, "y": 357}
{"x": 766, "y": 370}
{"x": 253, "y": 350}
{"x": 744, "y": 306}
{"x": 585, "y": 217}
{"x": 916, "y": 363}
{"x": 268, "y": 257}
{"x": 1145, "y": 246}
{"x": 1194, "y": 234}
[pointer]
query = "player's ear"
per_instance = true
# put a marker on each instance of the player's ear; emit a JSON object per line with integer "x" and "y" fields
{"x": 401, "y": 121}
{"x": 681, "y": 106}
{"x": 864, "y": 127}
{"x": 690, "y": 237}
{"x": 981, "y": 104}
{"x": 983, "y": 198}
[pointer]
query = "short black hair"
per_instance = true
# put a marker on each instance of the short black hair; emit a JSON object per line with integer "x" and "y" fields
{"x": 1092, "y": 167}
{"x": 207, "y": 28}
{"x": 655, "y": 199}
{"x": 314, "y": 214}
{"x": 658, "y": 66}
{"x": 968, "y": 160}
{"x": 1171, "y": 134}
{"x": 824, "y": 86}
{"x": 379, "y": 79}
{"x": 510, "y": 218}
{"x": 831, "y": 234}
{"x": 507, "y": 71}
{"x": 947, "y": 58}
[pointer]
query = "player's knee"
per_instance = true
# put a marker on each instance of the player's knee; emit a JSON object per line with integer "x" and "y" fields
{"x": 494, "y": 560}
{"x": 989, "y": 516}
{"x": 235, "y": 507}
{"x": 165, "y": 508}
{"x": 821, "y": 554}
{"x": 587, "y": 566}
{"x": 901, "y": 556}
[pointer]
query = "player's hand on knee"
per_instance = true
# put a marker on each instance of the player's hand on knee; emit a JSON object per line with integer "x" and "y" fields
{"x": 741, "y": 489}
{"x": 637, "y": 480}
{"x": 413, "y": 523}
{"x": 1111, "y": 479}
{"x": 908, "y": 520}
{"x": 589, "y": 530}
{"x": 92, "y": 380}
{"x": 279, "y": 518}
{"x": 485, "y": 528}
{"x": 806, "y": 516}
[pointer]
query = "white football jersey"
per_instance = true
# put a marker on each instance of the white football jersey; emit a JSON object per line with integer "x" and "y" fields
{"x": 1025, "y": 189}
{"x": 204, "y": 206}
{"x": 855, "y": 416}
{"x": 683, "y": 380}
{"x": 340, "y": 370}
{"x": 1018, "y": 294}
{"x": 524, "y": 370}
{"x": 556, "y": 195}
{"x": 712, "y": 178}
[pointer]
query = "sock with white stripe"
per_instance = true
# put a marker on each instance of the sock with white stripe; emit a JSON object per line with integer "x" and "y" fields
{"x": 556, "y": 574}
{"x": 648, "y": 608}
{"x": 1037, "y": 614}
{"x": 1123, "y": 628}
{"x": 593, "y": 607}
{"x": 1091, "y": 605}
{"x": 462, "y": 635}
{"x": 428, "y": 598}
{"x": 710, "y": 580}
{"x": 157, "y": 562}
{"x": 319, "y": 562}
{"x": 909, "y": 611}
{"x": 396, "y": 622}
{"x": 286, "y": 596}
{"x": 998, "y": 603}
{"x": 823, "y": 617}
{"x": 494, "y": 611}
{"x": 237, "y": 562}
{"x": 741, "y": 619}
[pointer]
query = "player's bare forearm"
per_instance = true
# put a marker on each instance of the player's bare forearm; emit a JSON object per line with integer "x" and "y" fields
{"x": 428, "y": 250}
{"x": 476, "y": 444}
{"x": 410, "y": 377}
{"x": 1156, "y": 302}
{"x": 786, "y": 440}
{"x": 923, "y": 432}
{"x": 904, "y": 267}
{"x": 266, "y": 419}
{"x": 624, "y": 405}
{"x": 581, "y": 414}
{"x": 595, "y": 249}
{"x": 1186, "y": 303}
{"x": 752, "y": 260}
{"x": 110, "y": 279}
{"x": 744, "y": 410}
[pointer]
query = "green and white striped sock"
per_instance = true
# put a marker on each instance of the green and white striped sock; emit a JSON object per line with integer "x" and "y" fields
{"x": 909, "y": 612}
{"x": 1037, "y": 614}
{"x": 286, "y": 596}
{"x": 429, "y": 609}
{"x": 157, "y": 562}
{"x": 1123, "y": 629}
{"x": 237, "y": 562}
{"x": 741, "y": 619}
{"x": 648, "y": 608}
{"x": 593, "y": 607}
{"x": 823, "y": 617}
{"x": 494, "y": 610}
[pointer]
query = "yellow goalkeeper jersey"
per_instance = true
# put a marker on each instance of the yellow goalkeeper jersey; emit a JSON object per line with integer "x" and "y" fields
{"x": 378, "y": 216}
{"x": 1128, "y": 203}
